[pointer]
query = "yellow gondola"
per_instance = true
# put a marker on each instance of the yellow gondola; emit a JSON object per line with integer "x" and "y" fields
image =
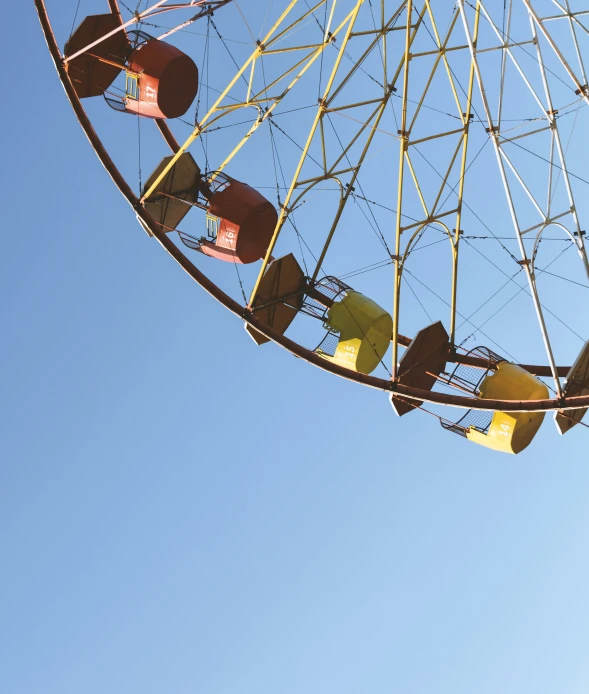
{"x": 508, "y": 432}
{"x": 364, "y": 332}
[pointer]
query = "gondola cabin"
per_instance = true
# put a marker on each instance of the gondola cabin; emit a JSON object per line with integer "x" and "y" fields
{"x": 240, "y": 222}
{"x": 160, "y": 80}
{"x": 508, "y": 432}
{"x": 359, "y": 330}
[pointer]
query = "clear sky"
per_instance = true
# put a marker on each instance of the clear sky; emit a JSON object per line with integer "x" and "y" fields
{"x": 183, "y": 512}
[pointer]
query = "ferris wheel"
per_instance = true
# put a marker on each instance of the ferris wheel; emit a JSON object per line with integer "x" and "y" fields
{"x": 391, "y": 191}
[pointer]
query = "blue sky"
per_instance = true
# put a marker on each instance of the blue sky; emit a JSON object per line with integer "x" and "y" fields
{"x": 183, "y": 512}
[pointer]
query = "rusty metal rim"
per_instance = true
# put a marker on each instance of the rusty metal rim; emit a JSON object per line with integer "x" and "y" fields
{"x": 236, "y": 308}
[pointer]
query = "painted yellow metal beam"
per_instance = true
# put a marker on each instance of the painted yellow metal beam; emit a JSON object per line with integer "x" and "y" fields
{"x": 257, "y": 52}
{"x": 349, "y": 22}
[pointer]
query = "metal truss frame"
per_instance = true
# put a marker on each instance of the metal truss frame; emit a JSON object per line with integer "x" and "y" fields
{"x": 505, "y": 165}
{"x": 330, "y": 170}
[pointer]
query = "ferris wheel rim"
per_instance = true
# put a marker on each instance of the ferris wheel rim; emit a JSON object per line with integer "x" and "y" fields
{"x": 246, "y": 315}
